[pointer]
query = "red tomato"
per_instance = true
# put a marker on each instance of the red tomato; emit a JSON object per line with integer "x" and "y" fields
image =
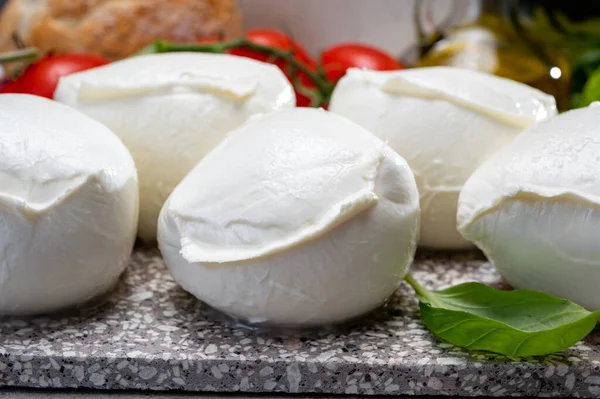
{"x": 275, "y": 39}
{"x": 42, "y": 77}
{"x": 336, "y": 60}
{"x": 9, "y": 87}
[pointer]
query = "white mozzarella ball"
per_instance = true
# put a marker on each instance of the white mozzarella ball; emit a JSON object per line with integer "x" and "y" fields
{"x": 534, "y": 208}
{"x": 68, "y": 206}
{"x": 172, "y": 109}
{"x": 445, "y": 122}
{"x": 300, "y": 217}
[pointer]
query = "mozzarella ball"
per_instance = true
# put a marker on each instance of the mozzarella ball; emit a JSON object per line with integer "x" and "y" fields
{"x": 298, "y": 218}
{"x": 534, "y": 208}
{"x": 172, "y": 109}
{"x": 445, "y": 122}
{"x": 68, "y": 206}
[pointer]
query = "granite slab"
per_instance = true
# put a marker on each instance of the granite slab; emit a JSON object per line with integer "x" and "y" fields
{"x": 151, "y": 335}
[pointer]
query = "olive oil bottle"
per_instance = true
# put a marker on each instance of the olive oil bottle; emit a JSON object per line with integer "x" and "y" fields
{"x": 501, "y": 41}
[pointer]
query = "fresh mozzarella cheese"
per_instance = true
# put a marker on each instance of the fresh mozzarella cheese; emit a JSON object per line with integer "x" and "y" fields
{"x": 534, "y": 208}
{"x": 445, "y": 122}
{"x": 68, "y": 206}
{"x": 172, "y": 109}
{"x": 300, "y": 217}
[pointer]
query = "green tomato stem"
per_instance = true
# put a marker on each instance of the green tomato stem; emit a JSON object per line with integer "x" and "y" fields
{"x": 26, "y": 54}
{"x": 325, "y": 88}
{"x": 422, "y": 291}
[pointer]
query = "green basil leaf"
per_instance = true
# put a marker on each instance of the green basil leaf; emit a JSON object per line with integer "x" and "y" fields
{"x": 591, "y": 90}
{"x": 587, "y": 63}
{"x": 575, "y": 101}
{"x": 513, "y": 323}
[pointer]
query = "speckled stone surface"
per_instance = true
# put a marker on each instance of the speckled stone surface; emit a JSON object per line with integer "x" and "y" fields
{"x": 153, "y": 335}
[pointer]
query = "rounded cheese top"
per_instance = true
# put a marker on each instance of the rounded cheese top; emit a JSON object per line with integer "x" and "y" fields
{"x": 292, "y": 184}
{"x": 559, "y": 158}
{"x": 502, "y": 99}
{"x": 445, "y": 122}
{"x": 49, "y": 152}
{"x": 233, "y": 78}
{"x": 172, "y": 109}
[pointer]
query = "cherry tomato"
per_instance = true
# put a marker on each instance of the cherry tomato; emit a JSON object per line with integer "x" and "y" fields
{"x": 41, "y": 77}
{"x": 336, "y": 60}
{"x": 9, "y": 87}
{"x": 281, "y": 41}
{"x": 275, "y": 39}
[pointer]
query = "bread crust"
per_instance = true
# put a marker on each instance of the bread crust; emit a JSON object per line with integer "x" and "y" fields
{"x": 114, "y": 28}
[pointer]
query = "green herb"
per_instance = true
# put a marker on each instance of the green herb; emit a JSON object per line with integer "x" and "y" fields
{"x": 26, "y": 54}
{"x": 584, "y": 87}
{"x": 586, "y": 64}
{"x": 513, "y": 323}
{"x": 591, "y": 90}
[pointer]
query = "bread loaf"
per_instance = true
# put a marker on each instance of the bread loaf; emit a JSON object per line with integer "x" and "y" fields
{"x": 114, "y": 28}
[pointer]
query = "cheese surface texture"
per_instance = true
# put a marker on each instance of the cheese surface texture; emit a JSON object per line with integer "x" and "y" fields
{"x": 172, "y": 109}
{"x": 445, "y": 122}
{"x": 534, "y": 208}
{"x": 68, "y": 206}
{"x": 300, "y": 217}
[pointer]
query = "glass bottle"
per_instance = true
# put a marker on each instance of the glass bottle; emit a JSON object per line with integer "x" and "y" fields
{"x": 503, "y": 38}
